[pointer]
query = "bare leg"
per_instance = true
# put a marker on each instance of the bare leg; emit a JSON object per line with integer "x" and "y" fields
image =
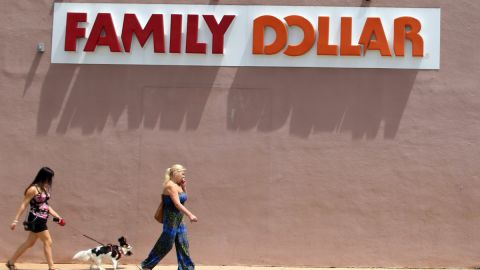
{"x": 47, "y": 247}
{"x": 31, "y": 239}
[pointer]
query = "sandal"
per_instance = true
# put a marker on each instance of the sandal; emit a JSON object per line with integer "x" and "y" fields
{"x": 140, "y": 267}
{"x": 10, "y": 266}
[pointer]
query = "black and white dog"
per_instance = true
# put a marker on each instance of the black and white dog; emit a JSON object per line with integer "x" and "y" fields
{"x": 113, "y": 252}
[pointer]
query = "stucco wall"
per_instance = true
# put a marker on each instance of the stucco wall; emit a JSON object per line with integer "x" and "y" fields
{"x": 287, "y": 166}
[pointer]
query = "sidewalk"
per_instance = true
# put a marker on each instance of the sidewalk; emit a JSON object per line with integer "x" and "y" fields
{"x": 35, "y": 266}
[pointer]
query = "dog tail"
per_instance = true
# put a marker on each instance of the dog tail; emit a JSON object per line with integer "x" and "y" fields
{"x": 83, "y": 255}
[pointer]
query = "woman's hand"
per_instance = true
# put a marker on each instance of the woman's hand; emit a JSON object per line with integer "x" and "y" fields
{"x": 60, "y": 221}
{"x": 13, "y": 225}
{"x": 183, "y": 184}
{"x": 193, "y": 218}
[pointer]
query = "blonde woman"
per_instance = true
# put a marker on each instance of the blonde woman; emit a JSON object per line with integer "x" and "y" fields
{"x": 174, "y": 231}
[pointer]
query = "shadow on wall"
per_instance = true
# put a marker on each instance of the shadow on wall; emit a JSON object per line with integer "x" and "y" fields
{"x": 310, "y": 100}
{"x": 320, "y": 100}
{"x": 87, "y": 96}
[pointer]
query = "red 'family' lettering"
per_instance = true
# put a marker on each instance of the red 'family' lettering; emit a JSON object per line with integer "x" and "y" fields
{"x": 103, "y": 33}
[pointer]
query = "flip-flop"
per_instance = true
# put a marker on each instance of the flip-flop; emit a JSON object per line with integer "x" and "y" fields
{"x": 142, "y": 268}
{"x": 10, "y": 266}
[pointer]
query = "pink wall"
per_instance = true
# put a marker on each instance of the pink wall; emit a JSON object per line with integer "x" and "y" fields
{"x": 287, "y": 166}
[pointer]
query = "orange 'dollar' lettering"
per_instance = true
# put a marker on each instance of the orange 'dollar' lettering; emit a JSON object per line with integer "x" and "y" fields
{"x": 372, "y": 38}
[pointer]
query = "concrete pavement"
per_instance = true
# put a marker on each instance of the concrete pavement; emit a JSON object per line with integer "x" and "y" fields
{"x": 36, "y": 266}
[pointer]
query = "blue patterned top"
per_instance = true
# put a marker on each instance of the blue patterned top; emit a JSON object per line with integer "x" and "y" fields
{"x": 172, "y": 217}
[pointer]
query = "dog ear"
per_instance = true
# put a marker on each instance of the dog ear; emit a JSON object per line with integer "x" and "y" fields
{"x": 122, "y": 240}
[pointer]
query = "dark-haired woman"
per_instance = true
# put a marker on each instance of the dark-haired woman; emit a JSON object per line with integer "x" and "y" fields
{"x": 36, "y": 196}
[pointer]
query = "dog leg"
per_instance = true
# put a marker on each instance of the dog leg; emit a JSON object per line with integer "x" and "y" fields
{"x": 114, "y": 263}
{"x": 98, "y": 262}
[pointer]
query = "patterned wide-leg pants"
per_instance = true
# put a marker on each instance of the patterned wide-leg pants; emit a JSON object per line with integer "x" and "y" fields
{"x": 165, "y": 243}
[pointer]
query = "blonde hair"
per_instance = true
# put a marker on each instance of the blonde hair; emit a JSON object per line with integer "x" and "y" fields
{"x": 169, "y": 172}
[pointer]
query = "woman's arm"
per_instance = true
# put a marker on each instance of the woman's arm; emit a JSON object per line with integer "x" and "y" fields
{"x": 56, "y": 217}
{"x": 172, "y": 192}
{"x": 53, "y": 212}
{"x": 31, "y": 192}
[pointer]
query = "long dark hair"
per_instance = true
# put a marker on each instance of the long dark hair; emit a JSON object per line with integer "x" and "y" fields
{"x": 44, "y": 176}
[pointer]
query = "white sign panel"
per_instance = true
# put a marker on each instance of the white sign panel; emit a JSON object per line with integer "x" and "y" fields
{"x": 232, "y": 35}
